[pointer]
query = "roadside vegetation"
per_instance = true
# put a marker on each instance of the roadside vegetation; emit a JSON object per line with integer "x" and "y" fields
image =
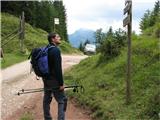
{"x": 27, "y": 116}
{"x": 104, "y": 76}
{"x": 104, "y": 83}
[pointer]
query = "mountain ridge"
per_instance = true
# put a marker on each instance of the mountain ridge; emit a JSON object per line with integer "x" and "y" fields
{"x": 80, "y": 36}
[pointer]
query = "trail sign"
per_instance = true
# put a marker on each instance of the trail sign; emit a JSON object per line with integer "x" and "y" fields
{"x": 127, "y": 1}
{"x": 56, "y": 21}
{"x": 126, "y": 21}
{"x": 127, "y": 8}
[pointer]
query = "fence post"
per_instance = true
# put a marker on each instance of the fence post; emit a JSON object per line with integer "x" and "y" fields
{"x": 22, "y": 32}
{"x": 20, "y": 29}
{"x": 1, "y": 52}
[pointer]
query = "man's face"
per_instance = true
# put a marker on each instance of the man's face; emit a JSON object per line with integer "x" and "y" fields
{"x": 57, "y": 39}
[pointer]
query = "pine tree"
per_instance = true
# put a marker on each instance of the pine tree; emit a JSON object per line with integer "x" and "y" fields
{"x": 40, "y": 14}
{"x": 145, "y": 23}
{"x": 86, "y": 42}
{"x": 151, "y": 17}
{"x": 99, "y": 36}
{"x": 155, "y": 14}
{"x": 110, "y": 32}
{"x": 81, "y": 47}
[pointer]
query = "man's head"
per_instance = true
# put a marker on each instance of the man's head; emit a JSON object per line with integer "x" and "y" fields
{"x": 54, "y": 38}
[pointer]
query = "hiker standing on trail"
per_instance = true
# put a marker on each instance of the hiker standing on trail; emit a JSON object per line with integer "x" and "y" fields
{"x": 55, "y": 79}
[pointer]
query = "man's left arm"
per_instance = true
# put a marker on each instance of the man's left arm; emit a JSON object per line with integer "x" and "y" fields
{"x": 58, "y": 67}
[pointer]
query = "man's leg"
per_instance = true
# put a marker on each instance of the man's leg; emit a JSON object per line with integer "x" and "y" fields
{"x": 46, "y": 104}
{"x": 61, "y": 99}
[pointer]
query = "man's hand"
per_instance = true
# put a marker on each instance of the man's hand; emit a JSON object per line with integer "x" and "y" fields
{"x": 61, "y": 88}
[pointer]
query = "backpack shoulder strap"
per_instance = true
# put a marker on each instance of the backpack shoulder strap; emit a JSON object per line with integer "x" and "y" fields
{"x": 30, "y": 55}
{"x": 50, "y": 46}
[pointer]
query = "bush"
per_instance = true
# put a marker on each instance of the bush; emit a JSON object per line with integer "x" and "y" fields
{"x": 112, "y": 43}
{"x": 110, "y": 48}
{"x": 153, "y": 109}
{"x": 157, "y": 30}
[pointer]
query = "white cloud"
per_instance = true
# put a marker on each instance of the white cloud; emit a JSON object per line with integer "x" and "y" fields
{"x": 94, "y": 14}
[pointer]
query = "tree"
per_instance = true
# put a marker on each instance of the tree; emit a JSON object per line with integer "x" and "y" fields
{"x": 40, "y": 14}
{"x": 145, "y": 22}
{"x": 110, "y": 32}
{"x": 112, "y": 43}
{"x": 81, "y": 47}
{"x": 155, "y": 15}
{"x": 99, "y": 36}
{"x": 150, "y": 18}
{"x": 86, "y": 42}
{"x": 121, "y": 37}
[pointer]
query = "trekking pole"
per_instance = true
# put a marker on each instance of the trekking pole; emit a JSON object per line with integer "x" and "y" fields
{"x": 74, "y": 87}
{"x": 19, "y": 93}
{"x": 24, "y": 90}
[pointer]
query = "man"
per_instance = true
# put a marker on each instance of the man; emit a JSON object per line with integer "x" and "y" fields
{"x": 54, "y": 80}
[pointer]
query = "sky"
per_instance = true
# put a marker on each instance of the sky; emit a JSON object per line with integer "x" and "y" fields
{"x": 95, "y": 14}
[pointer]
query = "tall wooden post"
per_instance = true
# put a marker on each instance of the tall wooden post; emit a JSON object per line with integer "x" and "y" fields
{"x": 22, "y": 32}
{"x": 1, "y": 52}
{"x": 128, "y": 21}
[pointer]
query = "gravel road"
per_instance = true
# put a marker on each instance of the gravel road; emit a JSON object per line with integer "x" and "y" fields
{"x": 18, "y": 76}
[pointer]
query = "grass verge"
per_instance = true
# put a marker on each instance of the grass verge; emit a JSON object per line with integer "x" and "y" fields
{"x": 105, "y": 86}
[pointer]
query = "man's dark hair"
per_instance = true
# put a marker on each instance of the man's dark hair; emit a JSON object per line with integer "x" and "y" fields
{"x": 50, "y": 36}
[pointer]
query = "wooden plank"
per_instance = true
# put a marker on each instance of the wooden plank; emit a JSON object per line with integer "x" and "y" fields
{"x": 127, "y": 8}
{"x": 128, "y": 1}
{"x": 126, "y": 21}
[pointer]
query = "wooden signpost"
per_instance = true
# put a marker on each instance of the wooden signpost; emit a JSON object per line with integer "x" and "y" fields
{"x": 128, "y": 22}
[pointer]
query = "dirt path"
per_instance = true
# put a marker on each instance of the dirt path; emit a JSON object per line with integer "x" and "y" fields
{"x": 13, "y": 107}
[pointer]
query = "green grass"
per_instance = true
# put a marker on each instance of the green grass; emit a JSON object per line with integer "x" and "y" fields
{"x": 13, "y": 58}
{"x": 34, "y": 37}
{"x": 104, "y": 83}
{"x": 27, "y": 116}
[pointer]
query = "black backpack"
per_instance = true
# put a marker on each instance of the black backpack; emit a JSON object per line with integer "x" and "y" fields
{"x": 39, "y": 61}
